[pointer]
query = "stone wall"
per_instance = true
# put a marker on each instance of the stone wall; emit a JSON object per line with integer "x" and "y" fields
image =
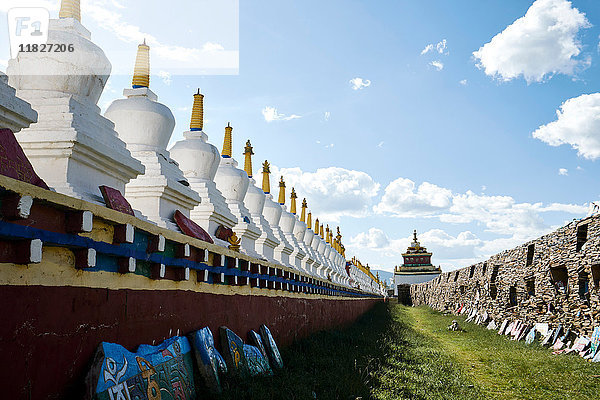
{"x": 553, "y": 279}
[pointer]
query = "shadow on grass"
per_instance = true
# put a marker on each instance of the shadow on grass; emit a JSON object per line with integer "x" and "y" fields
{"x": 379, "y": 357}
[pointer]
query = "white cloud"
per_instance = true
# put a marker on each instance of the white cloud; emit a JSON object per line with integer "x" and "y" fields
{"x": 440, "y": 47}
{"x": 540, "y": 44}
{"x": 210, "y": 47}
{"x": 501, "y": 215}
{"x": 332, "y": 192}
{"x": 577, "y": 124}
{"x": 437, "y": 65}
{"x": 271, "y": 114}
{"x": 359, "y": 83}
{"x": 563, "y": 171}
{"x": 327, "y": 115}
{"x": 403, "y": 199}
{"x": 463, "y": 82}
{"x": 166, "y": 77}
{"x": 427, "y": 49}
{"x": 380, "y": 145}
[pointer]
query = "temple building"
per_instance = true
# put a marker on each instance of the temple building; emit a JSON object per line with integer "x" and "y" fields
{"x": 417, "y": 267}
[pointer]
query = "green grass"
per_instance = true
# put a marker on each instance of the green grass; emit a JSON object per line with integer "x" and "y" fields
{"x": 397, "y": 352}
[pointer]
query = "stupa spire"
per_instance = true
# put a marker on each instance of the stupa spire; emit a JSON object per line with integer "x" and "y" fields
{"x": 70, "y": 9}
{"x": 322, "y": 232}
{"x": 293, "y": 198}
{"x": 141, "y": 72}
{"x": 197, "y": 123}
{"x": 303, "y": 212}
{"x": 248, "y": 153}
{"x": 327, "y": 235}
{"x": 281, "y": 191}
{"x": 227, "y": 141}
{"x": 266, "y": 183}
{"x": 309, "y": 220}
{"x": 317, "y": 226}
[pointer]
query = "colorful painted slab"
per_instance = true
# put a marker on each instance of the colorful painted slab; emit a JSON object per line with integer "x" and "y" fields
{"x": 595, "y": 340}
{"x": 503, "y": 327}
{"x": 13, "y": 161}
{"x": 232, "y": 347}
{"x": 256, "y": 341}
{"x": 548, "y": 337}
{"x": 209, "y": 361}
{"x": 257, "y": 362}
{"x": 542, "y": 328}
{"x": 271, "y": 348}
{"x": 530, "y": 336}
{"x": 555, "y": 335}
{"x": 153, "y": 372}
{"x": 190, "y": 228}
{"x": 115, "y": 200}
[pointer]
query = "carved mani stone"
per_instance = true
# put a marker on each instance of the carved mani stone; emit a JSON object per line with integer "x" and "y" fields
{"x": 209, "y": 361}
{"x": 190, "y": 228}
{"x": 13, "y": 161}
{"x": 271, "y": 348}
{"x": 152, "y": 372}
{"x": 115, "y": 200}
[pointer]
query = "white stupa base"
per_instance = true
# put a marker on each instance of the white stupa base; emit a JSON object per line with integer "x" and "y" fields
{"x": 247, "y": 232}
{"x": 15, "y": 113}
{"x": 158, "y": 193}
{"x": 74, "y": 149}
{"x": 267, "y": 242}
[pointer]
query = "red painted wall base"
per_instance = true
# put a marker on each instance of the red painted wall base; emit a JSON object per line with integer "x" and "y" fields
{"x": 48, "y": 335}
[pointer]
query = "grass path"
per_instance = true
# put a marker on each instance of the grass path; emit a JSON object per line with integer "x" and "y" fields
{"x": 396, "y": 352}
{"x": 504, "y": 369}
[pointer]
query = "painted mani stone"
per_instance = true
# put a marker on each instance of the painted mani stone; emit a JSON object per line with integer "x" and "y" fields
{"x": 190, "y": 228}
{"x": 209, "y": 361}
{"x": 13, "y": 161}
{"x": 115, "y": 200}
{"x": 271, "y": 347}
{"x": 232, "y": 347}
{"x": 257, "y": 361}
{"x": 256, "y": 341}
{"x": 153, "y": 372}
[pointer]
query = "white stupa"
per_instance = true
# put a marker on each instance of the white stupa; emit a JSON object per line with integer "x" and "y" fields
{"x": 146, "y": 126}
{"x": 233, "y": 183}
{"x": 272, "y": 213}
{"x": 72, "y": 147}
{"x": 255, "y": 202}
{"x": 287, "y": 223}
{"x": 309, "y": 239}
{"x": 199, "y": 161}
{"x": 299, "y": 232}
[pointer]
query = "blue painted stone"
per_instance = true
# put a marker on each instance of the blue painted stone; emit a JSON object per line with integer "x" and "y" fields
{"x": 209, "y": 361}
{"x": 152, "y": 372}
{"x": 255, "y": 340}
{"x": 232, "y": 347}
{"x": 271, "y": 348}
{"x": 257, "y": 361}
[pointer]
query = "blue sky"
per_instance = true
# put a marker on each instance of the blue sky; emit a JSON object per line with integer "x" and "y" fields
{"x": 384, "y": 118}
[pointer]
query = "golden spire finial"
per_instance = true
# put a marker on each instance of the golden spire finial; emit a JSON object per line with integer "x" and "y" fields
{"x": 282, "y": 191}
{"x": 322, "y": 232}
{"x": 293, "y": 198}
{"x": 317, "y": 226}
{"x": 327, "y": 235}
{"x": 197, "y": 123}
{"x": 141, "y": 71}
{"x": 227, "y": 141}
{"x": 266, "y": 183}
{"x": 303, "y": 212}
{"x": 309, "y": 220}
{"x": 248, "y": 161}
{"x": 70, "y": 9}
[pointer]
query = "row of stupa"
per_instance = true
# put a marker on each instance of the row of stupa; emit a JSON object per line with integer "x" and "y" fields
{"x": 75, "y": 150}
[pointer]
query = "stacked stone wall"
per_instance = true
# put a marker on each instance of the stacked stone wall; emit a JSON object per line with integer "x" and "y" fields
{"x": 553, "y": 279}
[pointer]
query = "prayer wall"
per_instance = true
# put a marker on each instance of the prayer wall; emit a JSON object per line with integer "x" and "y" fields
{"x": 554, "y": 279}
